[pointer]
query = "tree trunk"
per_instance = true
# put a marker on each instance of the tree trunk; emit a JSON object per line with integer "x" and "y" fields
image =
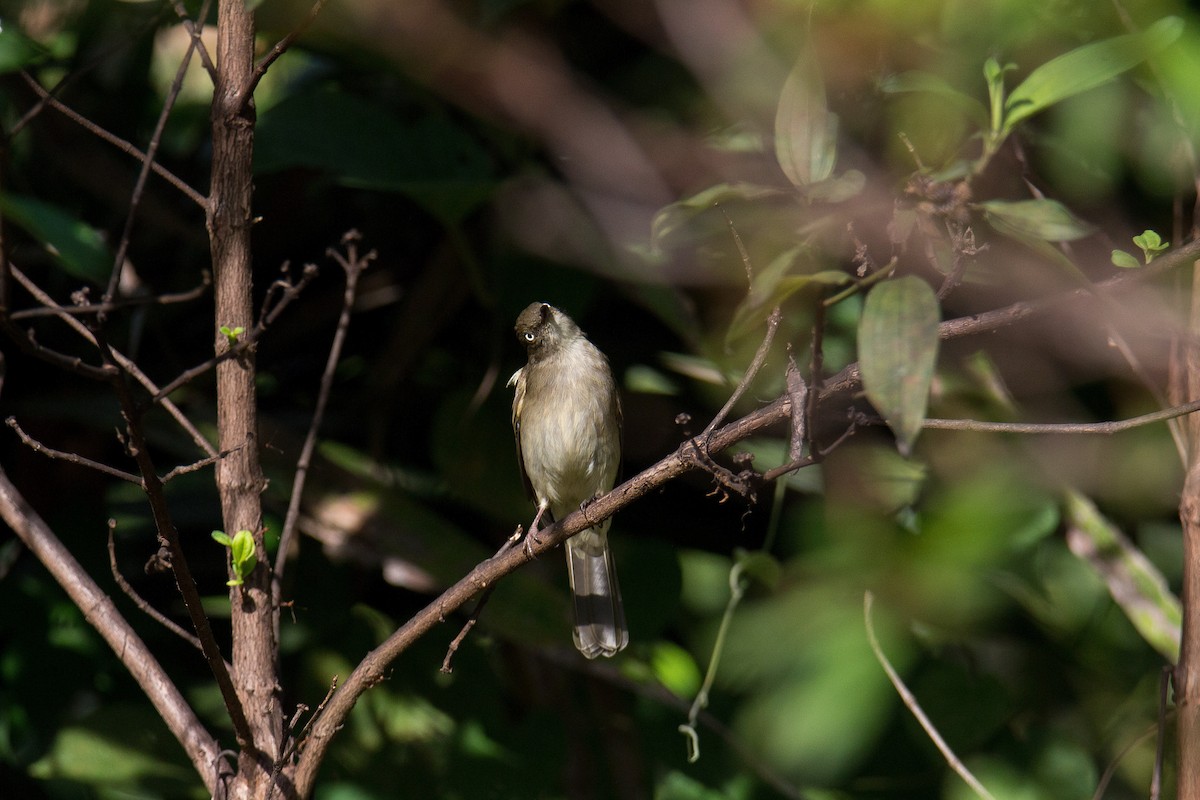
{"x": 239, "y": 475}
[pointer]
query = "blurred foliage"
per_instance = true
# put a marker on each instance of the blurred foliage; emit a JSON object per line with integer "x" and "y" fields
{"x": 669, "y": 175}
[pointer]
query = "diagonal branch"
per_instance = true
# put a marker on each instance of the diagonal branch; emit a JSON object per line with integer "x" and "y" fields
{"x": 115, "y": 141}
{"x": 201, "y": 748}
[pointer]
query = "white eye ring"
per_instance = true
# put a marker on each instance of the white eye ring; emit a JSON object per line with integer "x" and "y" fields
{"x": 529, "y": 337}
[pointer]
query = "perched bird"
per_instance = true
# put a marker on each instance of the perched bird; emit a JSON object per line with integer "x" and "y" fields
{"x": 567, "y": 421}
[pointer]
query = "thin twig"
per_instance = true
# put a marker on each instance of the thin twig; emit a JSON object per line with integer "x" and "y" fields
{"x": 457, "y": 641}
{"x": 281, "y": 47}
{"x": 116, "y": 304}
{"x": 910, "y": 702}
{"x": 148, "y": 162}
{"x": 195, "y": 29}
{"x": 755, "y": 365}
{"x": 1164, "y": 686}
{"x": 184, "y": 469}
{"x": 287, "y": 292}
{"x": 352, "y": 265}
{"x": 73, "y": 458}
{"x": 1110, "y": 427}
{"x": 115, "y": 141}
{"x": 140, "y": 601}
{"x": 122, "y": 360}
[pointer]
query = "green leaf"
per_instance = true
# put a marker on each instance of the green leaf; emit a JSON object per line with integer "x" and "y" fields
{"x": 17, "y": 50}
{"x": 898, "y": 344}
{"x": 1125, "y": 261}
{"x": 927, "y": 83}
{"x": 222, "y": 538}
{"x": 805, "y": 129}
{"x": 79, "y": 247}
{"x": 1132, "y": 579}
{"x": 243, "y": 554}
{"x": 1086, "y": 68}
{"x": 1042, "y": 220}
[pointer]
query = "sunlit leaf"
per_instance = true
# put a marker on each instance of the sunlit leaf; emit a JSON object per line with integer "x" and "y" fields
{"x": 79, "y": 247}
{"x": 898, "y": 344}
{"x": 1125, "y": 261}
{"x": 1043, "y": 219}
{"x": 1086, "y": 68}
{"x": 805, "y": 129}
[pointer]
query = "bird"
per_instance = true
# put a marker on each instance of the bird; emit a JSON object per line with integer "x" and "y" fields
{"x": 566, "y": 418}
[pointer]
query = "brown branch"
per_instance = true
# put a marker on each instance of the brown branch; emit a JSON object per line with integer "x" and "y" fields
{"x": 140, "y": 601}
{"x": 286, "y": 292}
{"x": 372, "y": 669}
{"x": 148, "y": 163}
{"x": 195, "y": 32}
{"x": 473, "y": 619}
{"x": 116, "y": 304}
{"x": 165, "y": 526}
{"x": 123, "y": 361}
{"x": 115, "y": 141}
{"x": 760, "y": 356}
{"x": 352, "y": 265}
{"x": 281, "y": 47}
{"x": 73, "y": 458}
{"x": 202, "y": 749}
{"x": 1110, "y": 427}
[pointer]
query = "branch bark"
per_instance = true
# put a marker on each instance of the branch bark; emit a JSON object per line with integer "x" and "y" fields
{"x": 201, "y": 748}
{"x": 239, "y": 476}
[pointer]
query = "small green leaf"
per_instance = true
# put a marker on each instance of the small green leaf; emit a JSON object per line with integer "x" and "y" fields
{"x": 243, "y": 554}
{"x": 222, "y": 538}
{"x": 1125, "y": 261}
{"x": 1086, "y": 68}
{"x": 805, "y": 129}
{"x": 79, "y": 247}
{"x": 1043, "y": 220}
{"x": 1151, "y": 244}
{"x": 898, "y": 344}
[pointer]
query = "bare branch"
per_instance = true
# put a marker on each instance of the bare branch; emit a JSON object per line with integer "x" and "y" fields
{"x": 755, "y": 365}
{"x": 123, "y": 361}
{"x": 115, "y": 304}
{"x": 281, "y": 47}
{"x": 1114, "y": 426}
{"x": 201, "y": 747}
{"x": 73, "y": 458}
{"x": 353, "y": 265}
{"x": 910, "y": 702}
{"x": 194, "y": 30}
{"x": 115, "y": 141}
{"x": 148, "y": 163}
{"x": 139, "y": 601}
{"x": 165, "y": 527}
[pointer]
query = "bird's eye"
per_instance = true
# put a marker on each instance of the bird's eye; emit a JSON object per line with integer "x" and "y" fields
{"x": 529, "y": 337}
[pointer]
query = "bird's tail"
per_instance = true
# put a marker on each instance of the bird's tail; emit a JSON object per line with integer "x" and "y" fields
{"x": 599, "y": 617}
